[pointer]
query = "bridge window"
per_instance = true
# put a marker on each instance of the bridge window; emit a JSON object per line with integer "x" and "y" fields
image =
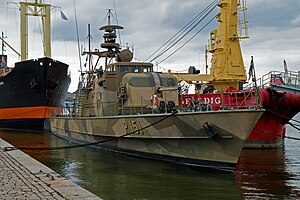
{"x": 111, "y": 69}
{"x": 147, "y": 69}
{"x": 123, "y": 69}
{"x": 136, "y": 69}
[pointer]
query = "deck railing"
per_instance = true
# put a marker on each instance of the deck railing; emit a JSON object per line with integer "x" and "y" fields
{"x": 290, "y": 78}
{"x": 226, "y": 101}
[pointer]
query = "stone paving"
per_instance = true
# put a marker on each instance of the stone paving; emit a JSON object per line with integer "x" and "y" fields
{"x": 22, "y": 177}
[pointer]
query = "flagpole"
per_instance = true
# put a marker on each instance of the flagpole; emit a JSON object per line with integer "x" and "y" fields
{"x": 254, "y": 74}
{"x": 286, "y": 72}
{"x": 255, "y": 83}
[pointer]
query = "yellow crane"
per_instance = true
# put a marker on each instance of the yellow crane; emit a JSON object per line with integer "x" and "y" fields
{"x": 227, "y": 66}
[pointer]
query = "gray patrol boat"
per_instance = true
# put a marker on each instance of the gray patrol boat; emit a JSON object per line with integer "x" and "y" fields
{"x": 126, "y": 107}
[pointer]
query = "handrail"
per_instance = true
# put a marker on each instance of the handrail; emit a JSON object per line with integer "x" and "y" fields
{"x": 234, "y": 100}
{"x": 290, "y": 78}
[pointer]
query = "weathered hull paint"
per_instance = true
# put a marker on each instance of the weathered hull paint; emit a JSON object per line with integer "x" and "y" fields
{"x": 280, "y": 108}
{"x": 181, "y": 138}
{"x": 31, "y": 92}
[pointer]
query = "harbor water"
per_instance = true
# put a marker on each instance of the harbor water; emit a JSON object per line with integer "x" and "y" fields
{"x": 260, "y": 174}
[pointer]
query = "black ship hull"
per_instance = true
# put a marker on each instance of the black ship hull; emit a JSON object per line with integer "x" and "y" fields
{"x": 25, "y": 124}
{"x": 32, "y": 92}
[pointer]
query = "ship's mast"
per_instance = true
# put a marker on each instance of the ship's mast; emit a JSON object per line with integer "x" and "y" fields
{"x": 110, "y": 44}
{"x": 2, "y": 38}
{"x": 2, "y": 64}
{"x": 89, "y": 55}
{"x": 227, "y": 62}
{"x": 110, "y": 36}
{"x": 35, "y": 9}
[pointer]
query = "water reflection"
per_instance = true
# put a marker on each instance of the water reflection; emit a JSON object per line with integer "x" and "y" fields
{"x": 292, "y": 161}
{"x": 271, "y": 174}
{"x": 260, "y": 174}
{"x": 115, "y": 176}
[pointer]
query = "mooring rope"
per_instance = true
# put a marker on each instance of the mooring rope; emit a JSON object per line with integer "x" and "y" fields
{"x": 87, "y": 144}
{"x": 294, "y": 126}
{"x": 127, "y": 134}
{"x": 276, "y": 134}
{"x": 283, "y": 116}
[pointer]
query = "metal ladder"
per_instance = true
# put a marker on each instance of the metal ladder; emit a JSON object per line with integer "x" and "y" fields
{"x": 81, "y": 101}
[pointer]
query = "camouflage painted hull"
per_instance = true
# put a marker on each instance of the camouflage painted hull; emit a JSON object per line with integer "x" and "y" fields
{"x": 206, "y": 139}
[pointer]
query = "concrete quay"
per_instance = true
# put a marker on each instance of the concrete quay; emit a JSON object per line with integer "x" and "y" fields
{"x": 22, "y": 177}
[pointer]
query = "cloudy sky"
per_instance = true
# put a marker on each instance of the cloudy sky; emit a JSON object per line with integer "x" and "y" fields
{"x": 274, "y": 30}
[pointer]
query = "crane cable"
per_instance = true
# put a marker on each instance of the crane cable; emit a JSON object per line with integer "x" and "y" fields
{"x": 180, "y": 32}
{"x": 77, "y": 36}
{"x": 182, "y": 37}
{"x": 183, "y": 32}
{"x": 187, "y": 41}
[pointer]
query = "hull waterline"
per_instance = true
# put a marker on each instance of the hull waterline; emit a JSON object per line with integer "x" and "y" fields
{"x": 269, "y": 132}
{"x": 182, "y": 138}
{"x": 32, "y": 92}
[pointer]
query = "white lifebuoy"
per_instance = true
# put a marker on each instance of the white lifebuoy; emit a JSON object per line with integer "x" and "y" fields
{"x": 154, "y": 99}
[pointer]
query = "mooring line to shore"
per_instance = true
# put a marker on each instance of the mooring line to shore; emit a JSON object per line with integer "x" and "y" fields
{"x": 87, "y": 144}
{"x": 294, "y": 126}
{"x": 283, "y": 116}
{"x": 276, "y": 134}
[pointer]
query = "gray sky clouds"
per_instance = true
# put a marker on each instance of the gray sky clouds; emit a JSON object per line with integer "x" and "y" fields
{"x": 274, "y": 29}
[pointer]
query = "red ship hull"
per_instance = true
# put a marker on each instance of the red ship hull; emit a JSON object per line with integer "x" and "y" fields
{"x": 270, "y": 129}
{"x": 265, "y": 131}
